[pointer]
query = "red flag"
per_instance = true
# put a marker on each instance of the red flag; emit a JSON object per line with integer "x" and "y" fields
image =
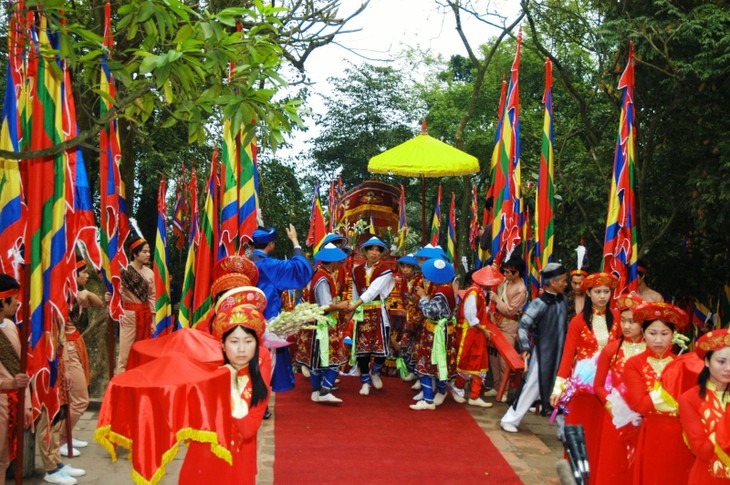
{"x": 317, "y": 227}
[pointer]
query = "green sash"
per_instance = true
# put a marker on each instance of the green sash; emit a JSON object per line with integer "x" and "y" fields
{"x": 438, "y": 350}
{"x": 322, "y": 335}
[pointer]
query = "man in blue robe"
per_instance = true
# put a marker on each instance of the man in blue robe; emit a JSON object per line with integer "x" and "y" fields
{"x": 275, "y": 276}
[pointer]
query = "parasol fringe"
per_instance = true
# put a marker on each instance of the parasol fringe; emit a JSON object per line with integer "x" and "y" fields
{"x": 108, "y": 439}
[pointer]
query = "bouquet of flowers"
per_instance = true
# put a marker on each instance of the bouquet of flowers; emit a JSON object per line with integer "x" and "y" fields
{"x": 580, "y": 381}
{"x": 304, "y": 316}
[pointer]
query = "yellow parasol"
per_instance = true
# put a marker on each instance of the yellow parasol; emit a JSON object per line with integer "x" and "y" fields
{"x": 424, "y": 156}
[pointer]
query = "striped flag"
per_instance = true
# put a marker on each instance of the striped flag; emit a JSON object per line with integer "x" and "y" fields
{"x": 620, "y": 244}
{"x": 317, "y": 227}
{"x": 506, "y": 222}
{"x": 163, "y": 307}
{"x": 186, "y": 300}
{"x": 11, "y": 191}
{"x": 544, "y": 215}
{"x": 495, "y": 153}
{"x": 451, "y": 236}
{"x": 331, "y": 208}
{"x": 402, "y": 224}
{"x": 205, "y": 257}
{"x": 701, "y": 314}
{"x": 228, "y": 244}
{"x": 532, "y": 272}
{"x": 45, "y": 238}
{"x": 248, "y": 189}
{"x": 114, "y": 222}
{"x": 436, "y": 222}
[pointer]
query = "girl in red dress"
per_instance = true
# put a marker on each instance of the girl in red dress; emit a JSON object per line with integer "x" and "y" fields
{"x": 662, "y": 458}
{"x": 588, "y": 333}
{"x": 240, "y": 325}
{"x": 620, "y": 427}
{"x": 704, "y": 413}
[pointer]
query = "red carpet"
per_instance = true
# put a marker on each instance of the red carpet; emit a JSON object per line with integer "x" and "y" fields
{"x": 377, "y": 439}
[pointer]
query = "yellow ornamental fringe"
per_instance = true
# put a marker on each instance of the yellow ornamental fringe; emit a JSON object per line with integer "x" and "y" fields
{"x": 109, "y": 440}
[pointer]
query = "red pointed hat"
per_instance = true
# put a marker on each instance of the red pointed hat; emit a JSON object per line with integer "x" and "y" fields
{"x": 661, "y": 311}
{"x": 487, "y": 276}
{"x": 599, "y": 279}
{"x": 241, "y": 308}
{"x": 233, "y": 271}
{"x": 628, "y": 301}
{"x": 713, "y": 340}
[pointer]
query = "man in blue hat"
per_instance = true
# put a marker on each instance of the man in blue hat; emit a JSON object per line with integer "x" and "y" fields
{"x": 275, "y": 276}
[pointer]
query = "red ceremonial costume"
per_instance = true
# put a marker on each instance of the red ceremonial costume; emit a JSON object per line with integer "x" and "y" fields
{"x": 305, "y": 349}
{"x": 661, "y": 454}
{"x": 618, "y": 445}
{"x": 423, "y": 363}
{"x": 370, "y": 332}
{"x": 472, "y": 355}
{"x": 583, "y": 343}
{"x": 414, "y": 317}
{"x": 201, "y": 464}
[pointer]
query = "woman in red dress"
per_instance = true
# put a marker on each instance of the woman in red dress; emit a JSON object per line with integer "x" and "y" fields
{"x": 704, "y": 413}
{"x": 620, "y": 427}
{"x": 661, "y": 455}
{"x": 240, "y": 325}
{"x": 588, "y": 333}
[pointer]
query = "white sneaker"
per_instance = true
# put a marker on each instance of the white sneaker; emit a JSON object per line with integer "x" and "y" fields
{"x": 439, "y": 398}
{"x": 504, "y": 398}
{"x": 458, "y": 395}
{"x": 365, "y": 390}
{"x": 418, "y": 396}
{"x": 71, "y": 471}
{"x": 305, "y": 371}
{"x": 59, "y": 478}
{"x": 377, "y": 381}
{"x": 329, "y": 398}
{"x": 410, "y": 377}
{"x": 491, "y": 393}
{"x": 416, "y": 386}
{"x": 508, "y": 427}
{"x": 532, "y": 409}
{"x": 480, "y": 402}
{"x": 423, "y": 406}
{"x": 74, "y": 452}
{"x": 79, "y": 443}
{"x": 315, "y": 396}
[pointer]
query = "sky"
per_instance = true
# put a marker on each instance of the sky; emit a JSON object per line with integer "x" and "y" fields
{"x": 384, "y": 29}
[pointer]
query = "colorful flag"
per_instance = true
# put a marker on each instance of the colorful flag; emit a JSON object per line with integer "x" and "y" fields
{"x": 484, "y": 253}
{"x": 186, "y": 300}
{"x": 45, "y": 238}
{"x": 451, "y": 237}
{"x": 436, "y": 222}
{"x": 331, "y": 208}
{"x": 181, "y": 216}
{"x": 248, "y": 189}
{"x": 701, "y": 314}
{"x": 620, "y": 244}
{"x": 506, "y": 177}
{"x": 532, "y": 273}
{"x": 11, "y": 191}
{"x": 228, "y": 244}
{"x": 317, "y": 227}
{"x": 163, "y": 307}
{"x": 544, "y": 214}
{"x": 205, "y": 257}
{"x": 114, "y": 222}
{"x": 402, "y": 224}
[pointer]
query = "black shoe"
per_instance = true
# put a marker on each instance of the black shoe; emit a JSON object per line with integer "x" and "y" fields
{"x": 268, "y": 414}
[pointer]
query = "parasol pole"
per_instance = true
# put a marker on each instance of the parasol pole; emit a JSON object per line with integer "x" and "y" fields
{"x": 423, "y": 210}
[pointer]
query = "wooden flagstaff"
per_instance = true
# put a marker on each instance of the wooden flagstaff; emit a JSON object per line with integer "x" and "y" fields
{"x": 24, "y": 334}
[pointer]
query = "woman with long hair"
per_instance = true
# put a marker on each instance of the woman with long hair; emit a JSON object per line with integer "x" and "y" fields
{"x": 620, "y": 427}
{"x": 239, "y": 325}
{"x": 704, "y": 413}
{"x": 661, "y": 455}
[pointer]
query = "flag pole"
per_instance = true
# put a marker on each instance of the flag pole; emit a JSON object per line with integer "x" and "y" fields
{"x": 20, "y": 420}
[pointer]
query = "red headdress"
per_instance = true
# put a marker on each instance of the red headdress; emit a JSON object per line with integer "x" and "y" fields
{"x": 713, "y": 340}
{"x": 661, "y": 311}
{"x": 599, "y": 279}
{"x": 233, "y": 271}
{"x": 628, "y": 302}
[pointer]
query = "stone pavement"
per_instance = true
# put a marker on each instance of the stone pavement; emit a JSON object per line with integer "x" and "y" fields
{"x": 532, "y": 452}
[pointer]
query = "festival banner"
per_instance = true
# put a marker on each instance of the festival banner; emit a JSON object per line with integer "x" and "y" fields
{"x": 163, "y": 307}
{"x": 507, "y": 173}
{"x": 181, "y": 215}
{"x": 436, "y": 222}
{"x": 451, "y": 236}
{"x": 620, "y": 244}
{"x": 228, "y": 233}
{"x": 249, "y": 217}
{"x": 317, "y": 227}
{"x": 186, "y": 301}
{"x": 544, "y": 209}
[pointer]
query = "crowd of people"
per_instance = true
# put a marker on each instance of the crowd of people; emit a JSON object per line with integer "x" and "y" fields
{"x": 592, "y": 358}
